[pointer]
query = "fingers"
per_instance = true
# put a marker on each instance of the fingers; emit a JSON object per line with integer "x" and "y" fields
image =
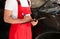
{"x": 34, "y": 22}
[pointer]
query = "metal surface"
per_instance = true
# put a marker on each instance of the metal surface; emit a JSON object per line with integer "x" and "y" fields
{"x": 37, "y": 3}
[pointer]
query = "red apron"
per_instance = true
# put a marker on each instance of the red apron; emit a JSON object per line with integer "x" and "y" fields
{"x": 21, "y": 31}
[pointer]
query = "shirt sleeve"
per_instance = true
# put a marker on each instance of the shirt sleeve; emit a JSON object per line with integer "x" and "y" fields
{"x": 9, "y": 4}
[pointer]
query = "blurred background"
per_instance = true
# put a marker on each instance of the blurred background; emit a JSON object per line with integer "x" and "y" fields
{"x": 4, "y": 27}
{"x": 47, "y": 8}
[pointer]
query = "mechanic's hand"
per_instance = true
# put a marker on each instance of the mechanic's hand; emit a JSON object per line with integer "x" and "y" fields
{"x": 34, "y": 22}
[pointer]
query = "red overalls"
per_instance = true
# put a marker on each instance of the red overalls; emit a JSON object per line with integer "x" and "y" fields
{"x": 21, "y": 31}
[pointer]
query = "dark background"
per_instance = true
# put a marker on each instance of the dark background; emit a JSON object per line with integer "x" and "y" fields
{"x": 4, "y": 27}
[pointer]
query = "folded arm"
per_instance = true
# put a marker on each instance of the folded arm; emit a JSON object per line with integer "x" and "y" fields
{"x": 8, "y": 18}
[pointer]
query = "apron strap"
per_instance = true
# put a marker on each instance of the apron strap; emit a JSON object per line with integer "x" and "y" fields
{"x": 18, "y": 2}
{"x": 28, "y": 2}
{"x": 19, "y": 9}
